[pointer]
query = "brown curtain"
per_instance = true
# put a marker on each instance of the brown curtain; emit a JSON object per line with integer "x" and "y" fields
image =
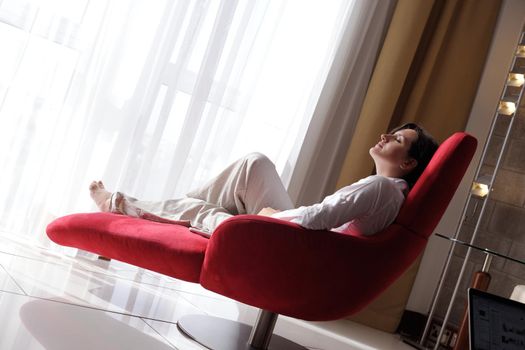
{"x": 428, "y": 72}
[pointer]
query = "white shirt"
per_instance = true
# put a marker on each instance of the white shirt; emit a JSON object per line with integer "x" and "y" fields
{"x": 365, "y": 207}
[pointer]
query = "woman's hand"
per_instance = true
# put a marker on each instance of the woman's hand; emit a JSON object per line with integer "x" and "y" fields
{"x": 268, "y": 211}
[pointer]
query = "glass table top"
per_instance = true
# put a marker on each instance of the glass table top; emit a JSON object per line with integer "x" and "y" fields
{"x": 485, "y": 250}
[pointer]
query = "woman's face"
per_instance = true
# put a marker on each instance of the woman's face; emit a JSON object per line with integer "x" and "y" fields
{"x": 391, "y": 152}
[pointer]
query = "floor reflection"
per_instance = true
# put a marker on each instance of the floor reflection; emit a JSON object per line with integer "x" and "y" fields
{"x": 60, "y": 326}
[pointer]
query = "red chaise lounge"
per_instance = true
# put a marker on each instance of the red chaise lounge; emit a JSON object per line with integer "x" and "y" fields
{"x": 274, "y": 265}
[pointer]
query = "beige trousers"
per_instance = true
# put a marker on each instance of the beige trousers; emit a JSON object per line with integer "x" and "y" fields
{"x": 245, "y": 187}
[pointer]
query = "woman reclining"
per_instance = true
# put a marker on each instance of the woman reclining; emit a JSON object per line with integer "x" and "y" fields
{"x": 251, "y": 185}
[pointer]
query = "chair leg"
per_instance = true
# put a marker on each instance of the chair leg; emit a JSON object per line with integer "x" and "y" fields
{"x": 221, "y": 334}
{"x": 263, "y": 329}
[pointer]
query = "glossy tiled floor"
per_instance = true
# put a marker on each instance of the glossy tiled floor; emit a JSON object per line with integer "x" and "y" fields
{"x": 53, "y": 301}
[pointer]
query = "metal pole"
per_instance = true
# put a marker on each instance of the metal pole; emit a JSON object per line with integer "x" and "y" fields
{"x": 486, "y": 263}
{"x": 262, "y": 330}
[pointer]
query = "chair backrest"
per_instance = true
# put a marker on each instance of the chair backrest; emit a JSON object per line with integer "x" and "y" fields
{"x": 430, "y": 196}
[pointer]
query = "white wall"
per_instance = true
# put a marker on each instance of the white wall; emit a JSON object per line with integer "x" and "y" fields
{"x": 509, "y": 26}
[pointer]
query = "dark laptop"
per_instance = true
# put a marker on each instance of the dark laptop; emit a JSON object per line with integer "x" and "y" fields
{"x": 495, "y": 323}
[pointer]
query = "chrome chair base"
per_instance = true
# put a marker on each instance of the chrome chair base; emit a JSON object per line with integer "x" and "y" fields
{"x": 220, "y": 334}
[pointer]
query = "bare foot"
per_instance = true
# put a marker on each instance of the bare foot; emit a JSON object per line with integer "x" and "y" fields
{"x": 99, "y": 194}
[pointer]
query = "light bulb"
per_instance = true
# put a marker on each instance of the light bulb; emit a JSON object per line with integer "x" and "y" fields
{"x": 520, "y": 51}
{"x": 506, "y": 108}
{"x": 515, "y": 79}
{"x": 479, "y": 189}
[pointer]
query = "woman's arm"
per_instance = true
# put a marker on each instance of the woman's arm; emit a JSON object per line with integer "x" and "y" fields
{"x": 268, "y": 211}
{"x": 345, "y": 205}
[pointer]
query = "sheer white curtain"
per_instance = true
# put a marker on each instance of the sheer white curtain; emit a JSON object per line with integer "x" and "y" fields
{"x": 153, "y": 97}
{"x": 320, "y": 158}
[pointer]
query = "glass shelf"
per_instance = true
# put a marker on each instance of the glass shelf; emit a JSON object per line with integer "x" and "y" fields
{"x": 485, "y": 250}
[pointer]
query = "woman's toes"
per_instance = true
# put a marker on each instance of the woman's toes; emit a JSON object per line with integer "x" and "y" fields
{"x": 93, "y": 186}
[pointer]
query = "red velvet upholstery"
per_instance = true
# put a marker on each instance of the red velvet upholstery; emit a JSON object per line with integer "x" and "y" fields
{"x": 311, "y": 275}
{"x": 276, "y": 265}
{"x": 169, "y": 249}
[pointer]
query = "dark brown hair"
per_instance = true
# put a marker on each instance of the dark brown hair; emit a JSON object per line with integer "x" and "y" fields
{"x": 421, "y": 150}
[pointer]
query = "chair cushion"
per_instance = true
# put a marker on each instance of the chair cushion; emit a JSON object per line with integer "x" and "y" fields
{"x": 168, "y": 249}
